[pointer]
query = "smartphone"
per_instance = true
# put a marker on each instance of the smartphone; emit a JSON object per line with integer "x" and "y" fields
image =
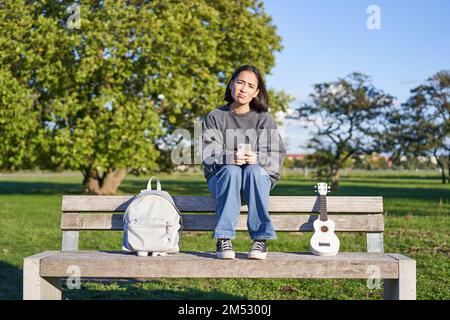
{"x": 244, "y": 148}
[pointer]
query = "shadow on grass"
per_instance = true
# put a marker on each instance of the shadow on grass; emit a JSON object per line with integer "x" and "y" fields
{"x": 394, "y": 180}
{"x": 10, "y": 282}
{"x": 39, "y": 188}
{"x": 177, "y": 187}
{"x": 135, "y": 290}
{"x": 291, "y": 189}
{"x": 298, "y": 188}
{"x": 436, "y": 177}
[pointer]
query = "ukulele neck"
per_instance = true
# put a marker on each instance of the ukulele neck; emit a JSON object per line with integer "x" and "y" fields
{"x": 323, "y": 208}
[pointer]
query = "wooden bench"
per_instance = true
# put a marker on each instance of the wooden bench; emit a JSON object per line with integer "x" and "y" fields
{"x": 43, "y": 272}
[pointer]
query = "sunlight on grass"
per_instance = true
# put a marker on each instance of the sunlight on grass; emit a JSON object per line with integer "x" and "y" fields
{"x": 416, "y": 207}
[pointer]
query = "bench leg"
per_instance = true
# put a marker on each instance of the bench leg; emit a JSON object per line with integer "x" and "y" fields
{"x": 70, "y": 240}
{"x": 36, "y": 287}
{"x": 403, "y": 288}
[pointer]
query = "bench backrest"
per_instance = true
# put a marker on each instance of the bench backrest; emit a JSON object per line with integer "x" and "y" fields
{"x": 289, "y": 213}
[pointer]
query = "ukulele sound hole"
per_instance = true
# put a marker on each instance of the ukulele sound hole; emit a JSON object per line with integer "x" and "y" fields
{"x": 324, "y": 228}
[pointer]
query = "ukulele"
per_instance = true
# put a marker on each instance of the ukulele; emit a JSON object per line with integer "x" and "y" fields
{"x": 324, "y": 242}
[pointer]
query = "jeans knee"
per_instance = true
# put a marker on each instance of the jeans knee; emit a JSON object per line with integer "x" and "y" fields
{"x": 254, "y": 170}
{"x": 232, "y": 170}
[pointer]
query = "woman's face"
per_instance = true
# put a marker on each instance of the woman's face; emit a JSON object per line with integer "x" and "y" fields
{"x": 244, "y": 87}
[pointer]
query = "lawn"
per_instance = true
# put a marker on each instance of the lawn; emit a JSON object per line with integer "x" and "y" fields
{"x": 416, "y": 216}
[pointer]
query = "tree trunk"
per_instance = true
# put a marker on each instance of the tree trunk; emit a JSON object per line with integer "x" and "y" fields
{"x": 448, "y": 167}
{"x": 106, "y": 184}
{"x": 335, "y": 173}
{"x": 441, "y": 165}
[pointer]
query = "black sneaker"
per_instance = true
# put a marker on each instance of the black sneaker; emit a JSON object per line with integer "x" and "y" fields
{"x": 224, "y": 249}
{"x": 258, "y": 250}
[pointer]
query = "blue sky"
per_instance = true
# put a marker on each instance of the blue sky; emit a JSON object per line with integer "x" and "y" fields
{"x": 327, "y": 39}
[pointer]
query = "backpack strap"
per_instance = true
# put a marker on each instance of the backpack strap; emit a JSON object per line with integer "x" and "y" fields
{"x": 158, "y": 184}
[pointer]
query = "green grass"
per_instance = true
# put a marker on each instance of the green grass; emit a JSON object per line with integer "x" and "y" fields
{"x": 417, "y": 225}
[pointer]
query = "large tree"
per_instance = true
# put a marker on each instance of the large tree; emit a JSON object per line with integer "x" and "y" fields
{"x": 105, "y": 95}
{"x": 19, "y": 125}
{"x": 421, "y": 125}
{"x": 346, "y": 115}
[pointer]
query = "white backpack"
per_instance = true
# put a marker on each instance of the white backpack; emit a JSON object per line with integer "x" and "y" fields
{"x": 152, "y": 223}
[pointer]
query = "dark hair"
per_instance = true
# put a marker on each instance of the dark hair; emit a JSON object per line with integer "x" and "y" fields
{"x": 260, "y": 103}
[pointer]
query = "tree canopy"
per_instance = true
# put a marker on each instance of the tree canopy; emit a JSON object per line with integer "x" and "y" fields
{"x": 101, "y": 98}
{"x": 347, "y": 115}
{"x": 421, "y": 125}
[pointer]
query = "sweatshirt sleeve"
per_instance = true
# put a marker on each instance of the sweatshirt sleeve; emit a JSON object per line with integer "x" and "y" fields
{"x": 213, "y": 146}
{"x": 270, "y": 149}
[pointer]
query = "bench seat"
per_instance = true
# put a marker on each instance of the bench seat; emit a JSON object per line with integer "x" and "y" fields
{"x": 115, "y": 264}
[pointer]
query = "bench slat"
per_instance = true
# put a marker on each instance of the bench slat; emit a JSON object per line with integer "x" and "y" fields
{"x": 204, "y": 264}
{"x": 206, "y": 222}
{"x": 306, "y": 204}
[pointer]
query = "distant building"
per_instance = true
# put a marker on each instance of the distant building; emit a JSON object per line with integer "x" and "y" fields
{"x": 295, "y": 156}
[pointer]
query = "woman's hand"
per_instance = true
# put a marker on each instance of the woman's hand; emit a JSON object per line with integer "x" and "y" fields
{"x": 247, "y": 158}
{"x": 250, "y": 157}
{"x": 239, "y": 158}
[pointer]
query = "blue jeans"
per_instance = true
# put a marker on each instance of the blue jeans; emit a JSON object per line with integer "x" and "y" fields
{"x": 226, "y": 186}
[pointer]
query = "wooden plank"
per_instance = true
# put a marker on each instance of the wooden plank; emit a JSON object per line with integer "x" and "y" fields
{"x": 303, "y": 204}
{"x": 403, "y": 288}
{"x": 205, "y": 265}
{"x": 206, "y": 222}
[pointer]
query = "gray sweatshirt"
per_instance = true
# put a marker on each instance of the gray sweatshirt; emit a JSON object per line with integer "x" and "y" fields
{"x": 223, "y": 130}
